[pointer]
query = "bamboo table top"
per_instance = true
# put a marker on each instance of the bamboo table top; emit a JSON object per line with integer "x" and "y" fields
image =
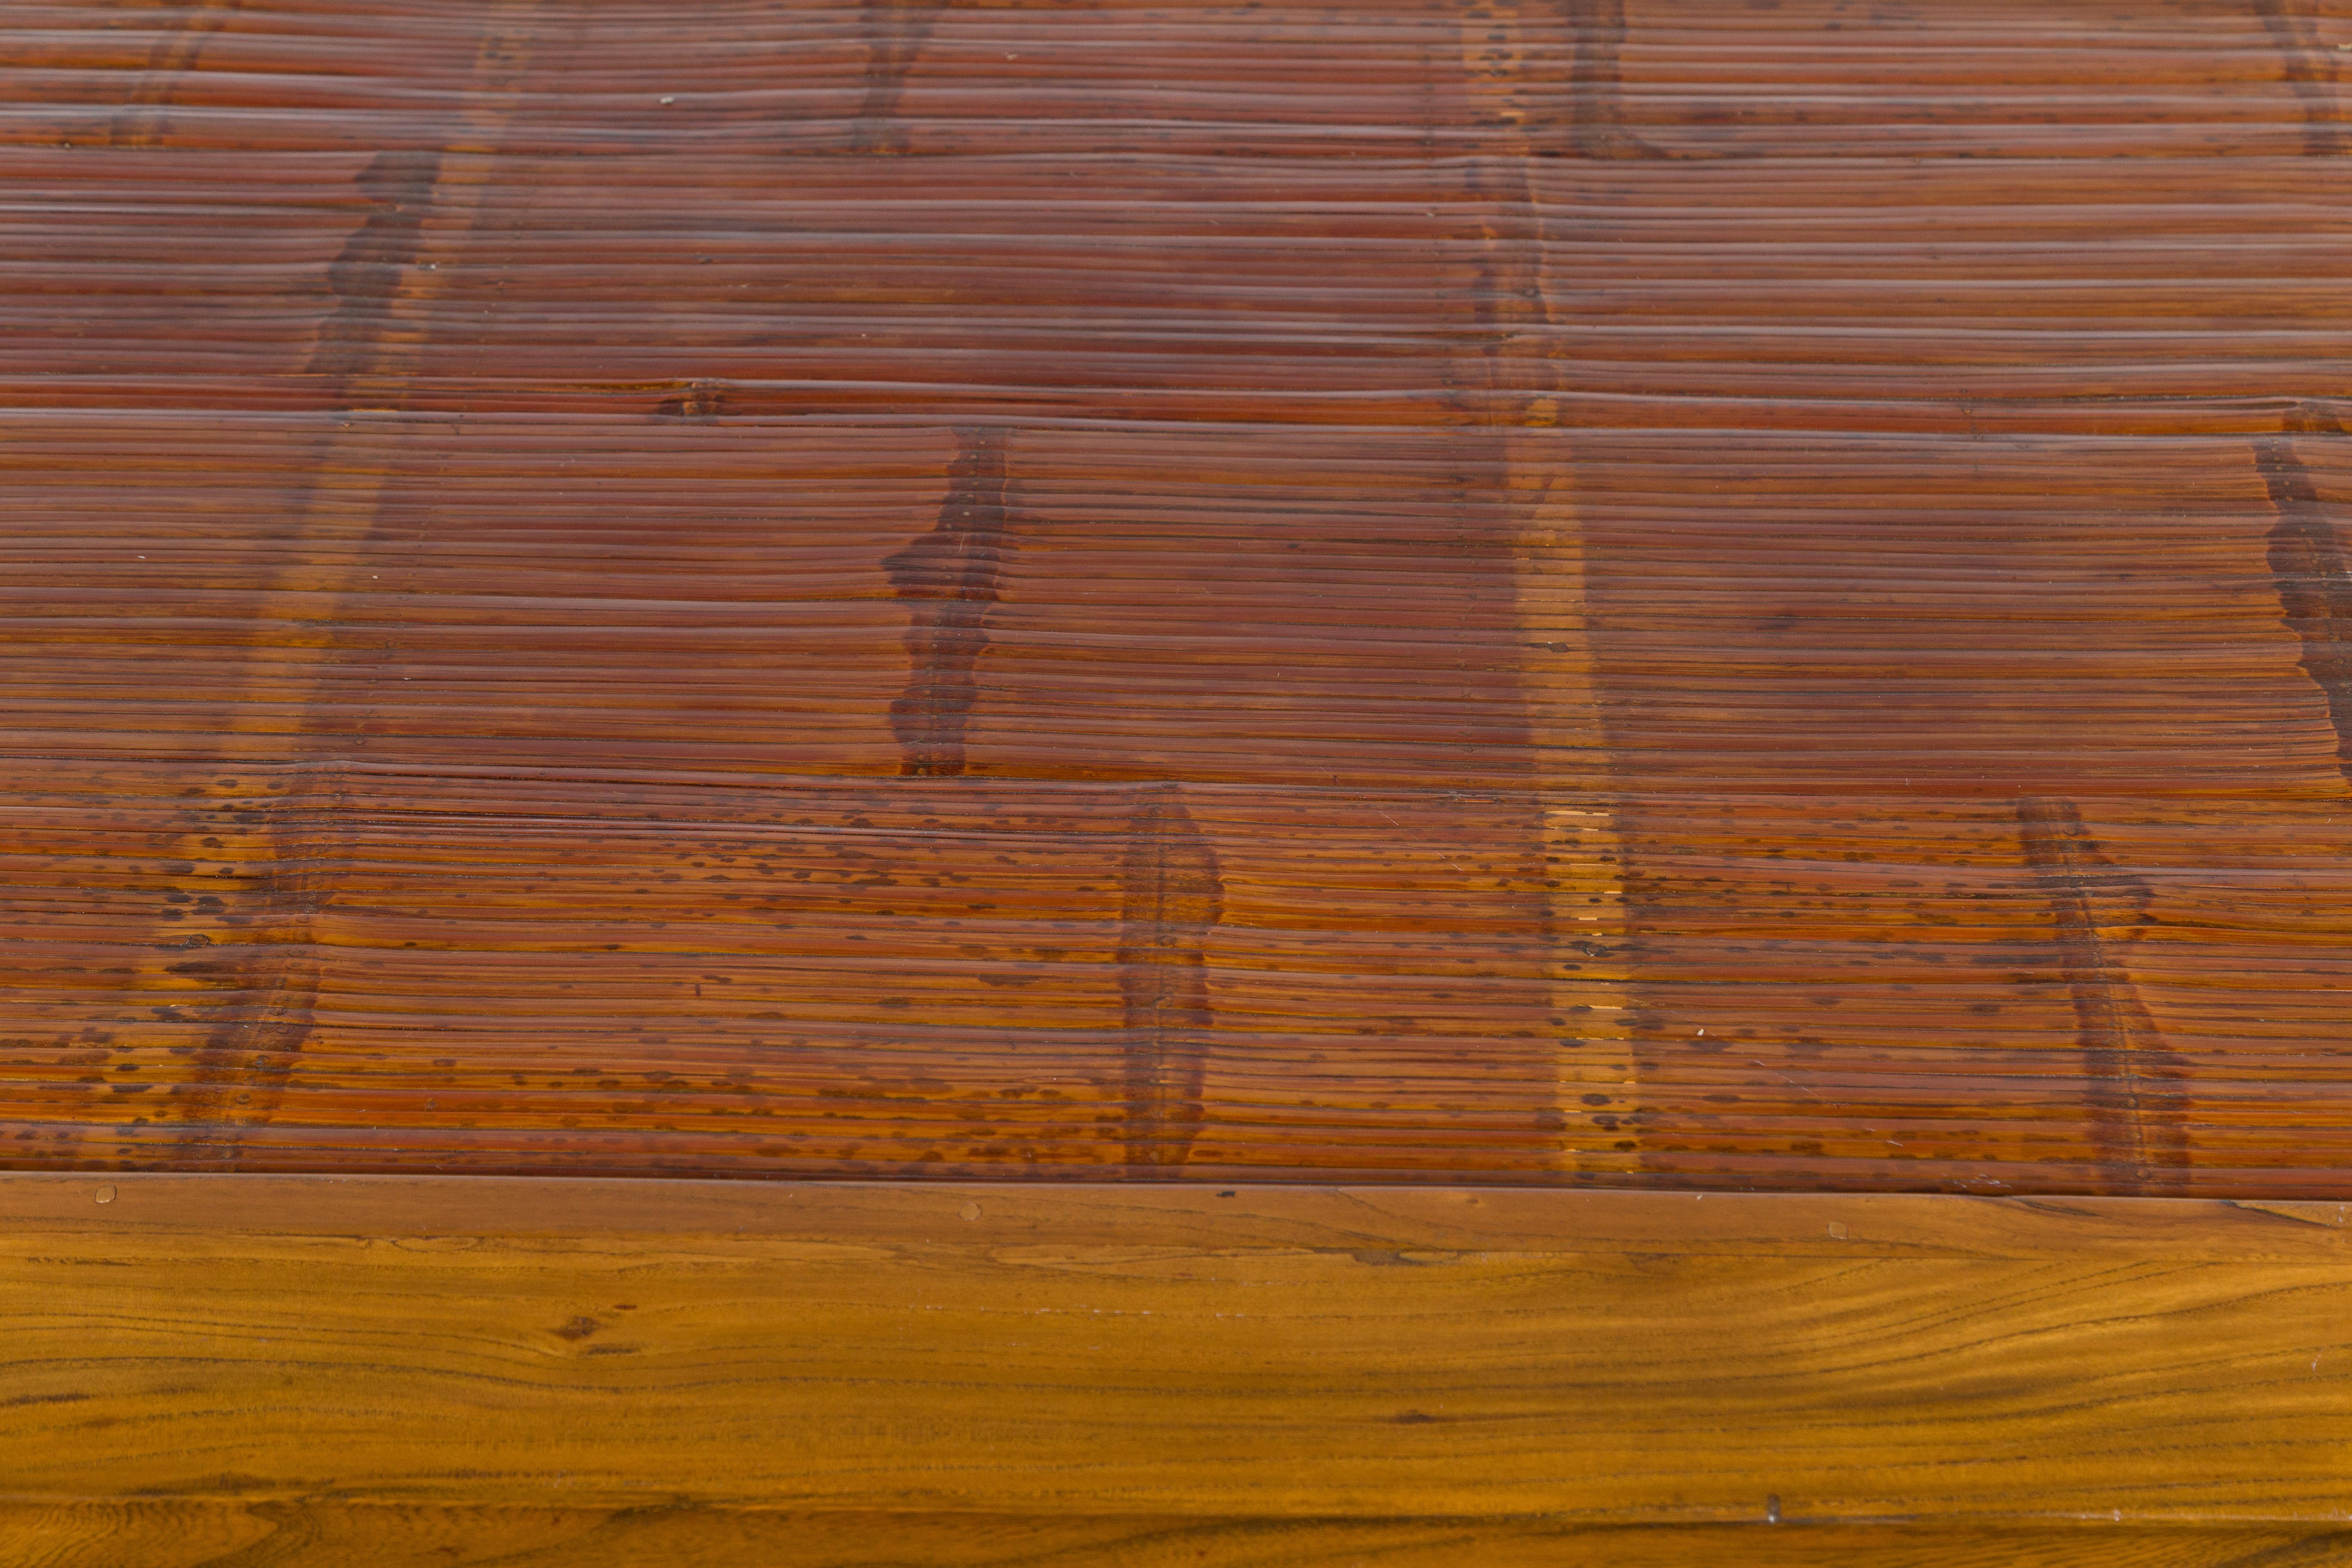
{"x": 1728, "y": 595}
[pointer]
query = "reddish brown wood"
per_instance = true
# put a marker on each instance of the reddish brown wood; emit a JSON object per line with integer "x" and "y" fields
{"x": 1702, "y": 593}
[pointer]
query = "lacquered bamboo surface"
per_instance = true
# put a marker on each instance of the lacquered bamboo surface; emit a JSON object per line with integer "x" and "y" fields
{"x": 1733, "y": 593}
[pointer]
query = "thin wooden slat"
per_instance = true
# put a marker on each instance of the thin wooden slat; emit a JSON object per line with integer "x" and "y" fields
{"x": 244, "y": 1344}
{"x": 151, "y": 1534}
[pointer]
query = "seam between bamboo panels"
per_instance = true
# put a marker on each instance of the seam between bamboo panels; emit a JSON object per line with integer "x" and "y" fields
{"x": 1522, "y": 90}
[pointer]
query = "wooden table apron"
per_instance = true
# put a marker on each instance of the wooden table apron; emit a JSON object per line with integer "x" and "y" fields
{"x": 1310, "y": 1353}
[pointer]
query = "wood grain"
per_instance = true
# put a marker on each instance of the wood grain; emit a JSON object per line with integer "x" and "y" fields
{"x": 1677, "y": 594}
{"x": 1419, "y": 1361}
{"x": 153, "y": 1534}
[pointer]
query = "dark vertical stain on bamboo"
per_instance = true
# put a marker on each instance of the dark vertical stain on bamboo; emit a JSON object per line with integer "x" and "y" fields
{"x": 2311, "y": 71}
{"x": 952, "y": 575}
{"x": 1171, "y": 898}
{"x": 2314, "y": 590}
{"x": 141, "y": 121}
{"x": 367, "y": 274}
{"x": 2133, "y": 1102}
{"x": 1596, "y": 114}
{"x": 895, "y": 31}
{"x": 267, "y": 983}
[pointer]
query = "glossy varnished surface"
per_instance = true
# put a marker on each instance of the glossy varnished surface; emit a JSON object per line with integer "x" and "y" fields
{"x": 1609, "y": 592}
{"x": 1383, "y": 1368}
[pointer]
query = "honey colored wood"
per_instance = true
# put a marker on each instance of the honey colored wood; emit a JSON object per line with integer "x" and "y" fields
{"x": 175, "y": 1534}
{"x": 1324, "y": 1366}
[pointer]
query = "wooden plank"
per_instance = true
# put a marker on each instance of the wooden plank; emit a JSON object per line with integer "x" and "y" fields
{"x": 183, "y": 1535}
{"x": 1072, "y": 1353}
